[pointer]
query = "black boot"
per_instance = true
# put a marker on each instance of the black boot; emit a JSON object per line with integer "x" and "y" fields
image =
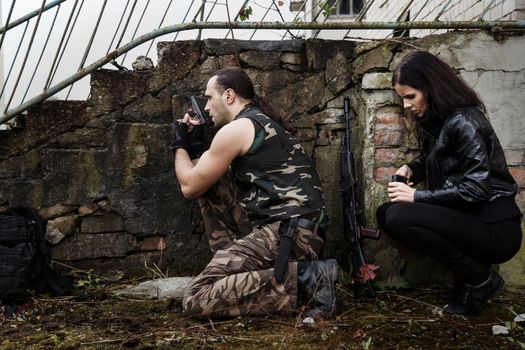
{"x": 453, "y": 294}
{"x": 316, "y": 281}
{"x": 474, "y": 297}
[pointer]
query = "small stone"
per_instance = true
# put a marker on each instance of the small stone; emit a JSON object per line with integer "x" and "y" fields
{"x": 309, "y": 320}
{"x": 142, "y": 63}
{"x": 499, "y": 330}
{"x": 519, "y": 318}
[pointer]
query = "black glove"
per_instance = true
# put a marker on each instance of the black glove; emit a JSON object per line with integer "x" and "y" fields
{"x": 179, "y": 136}
{"x": 192, "y": 142}
{"x": 195, "y": 142}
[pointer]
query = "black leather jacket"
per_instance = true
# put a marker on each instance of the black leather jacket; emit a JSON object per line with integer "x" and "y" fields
{"x": 465, "y": 167}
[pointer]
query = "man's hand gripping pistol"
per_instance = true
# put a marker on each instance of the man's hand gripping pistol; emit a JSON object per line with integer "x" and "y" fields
{"x": 190, "y": 138}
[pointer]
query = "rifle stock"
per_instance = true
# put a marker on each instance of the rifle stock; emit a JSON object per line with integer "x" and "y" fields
{"x": 369, "y": 233}
{"x": 353, "y": 216}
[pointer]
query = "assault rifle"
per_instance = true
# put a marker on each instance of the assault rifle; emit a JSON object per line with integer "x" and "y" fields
{"x": 354, "y": 218}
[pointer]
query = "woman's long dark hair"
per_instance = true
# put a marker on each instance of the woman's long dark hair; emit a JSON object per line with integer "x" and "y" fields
{"x": 443, "y": 89}
{"x": 236, "y": 79}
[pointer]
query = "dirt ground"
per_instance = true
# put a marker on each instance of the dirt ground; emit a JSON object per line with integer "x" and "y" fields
{"x": 94, "y": 318}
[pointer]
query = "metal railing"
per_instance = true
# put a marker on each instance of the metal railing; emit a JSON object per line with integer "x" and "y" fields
{"x": 45, "y": 57}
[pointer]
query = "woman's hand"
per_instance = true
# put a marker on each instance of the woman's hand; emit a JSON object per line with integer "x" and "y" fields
{"x": 406, "y": 172}
{"x": 399, "y": 192}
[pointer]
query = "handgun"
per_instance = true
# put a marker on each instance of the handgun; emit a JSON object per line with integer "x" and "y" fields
{"x": 198, "y": 112}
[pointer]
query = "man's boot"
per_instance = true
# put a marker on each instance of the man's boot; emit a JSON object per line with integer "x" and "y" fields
{"x": 316, "y": 282}
{"x": 474, "y": 297}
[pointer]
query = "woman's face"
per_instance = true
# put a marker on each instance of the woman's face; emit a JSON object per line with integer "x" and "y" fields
{"x": 413, "y": 99}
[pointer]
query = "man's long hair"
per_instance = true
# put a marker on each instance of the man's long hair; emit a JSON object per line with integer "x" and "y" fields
{"x": 236, "y": 79}
{"x": 443, "y": 89}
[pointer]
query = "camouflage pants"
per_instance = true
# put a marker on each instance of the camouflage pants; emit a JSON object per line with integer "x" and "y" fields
{"x": 239, "y": 278}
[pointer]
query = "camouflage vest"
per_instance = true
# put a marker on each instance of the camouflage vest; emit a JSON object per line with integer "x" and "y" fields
{"x": 276, "y": 178}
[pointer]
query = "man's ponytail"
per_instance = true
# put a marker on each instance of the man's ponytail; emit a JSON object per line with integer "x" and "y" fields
{"x": 236, "y": 79}
{"x": 266, "y": 107}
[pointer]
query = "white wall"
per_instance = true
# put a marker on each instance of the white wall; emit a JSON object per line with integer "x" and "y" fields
{"x": 460, "y": 10}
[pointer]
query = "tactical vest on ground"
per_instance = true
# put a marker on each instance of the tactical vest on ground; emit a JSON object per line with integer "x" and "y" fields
{"x": 276, "y": 178}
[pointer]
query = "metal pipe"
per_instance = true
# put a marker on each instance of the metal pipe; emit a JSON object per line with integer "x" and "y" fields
{"x": 127, "y": 23}
{"x": 7, "y": 21}
{"x": 336, "y": 3}
{"x": 443, "y": 10}
{"x": 262, "y": 19}
{"x": 35, "y": 29}
{"x": 296, "y": 17}
{"x": 407, "y": 7}
{"x": 31, "y": 15}
{"x": 199, "y": 34}
{"x": 237, "y": 16}
{"x": 185, "y": 16}
{"x": 485, "y": 10}
{"x": 48, "y": 81}
{"x": 65, "y": 45}
{"x": 118, "y": 26}
{"x": 10, "y": 114}
{"x": 41, "y": 54}
{"x": 160, "y": 24}
{"x": 420, "y": 9}
{"x": 14, "y": 59}
{"x": 281, "y": 15}
{"x": 90, "y": 43}
{"x": 361, "y": 14}
{"x": 136, "y": 29}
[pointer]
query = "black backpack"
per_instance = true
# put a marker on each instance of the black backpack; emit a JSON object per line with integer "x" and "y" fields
{"x": 24, "y": 257}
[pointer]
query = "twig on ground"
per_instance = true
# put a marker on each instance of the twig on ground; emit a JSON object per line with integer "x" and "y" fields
{"x": 104, "y": 341}
{"x": 216, "y": 331}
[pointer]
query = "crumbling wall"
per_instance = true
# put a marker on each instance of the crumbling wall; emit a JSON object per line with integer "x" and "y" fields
{"x": 494, "y": 69}
{"x": 99, "y": 171}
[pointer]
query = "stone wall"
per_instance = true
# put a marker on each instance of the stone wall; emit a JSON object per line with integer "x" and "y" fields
{"x": 99, "y": 171}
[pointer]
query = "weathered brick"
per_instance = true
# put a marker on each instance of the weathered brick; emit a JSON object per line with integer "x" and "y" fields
{"x": 386, "y": 156}
{"x": 90, "y": 246}
{"x": 388, "y": 136}
{"x": 514, "y": 157}
{"x": 384, "y": 174}
{"x": 388, "y": 119}
{"x": 153, "y": 243}
{"x": 518, "y": 172}
{"x": 102, "y": 223}
{"x": 377, "y": 81}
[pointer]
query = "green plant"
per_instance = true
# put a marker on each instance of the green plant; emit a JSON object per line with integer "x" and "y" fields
{"x": 245, "y": 13}
{"x": 515, "y": 328}
{"x": 326, "y": 8}
{"x": 91, "y": 281}
{"x": 366, "y": 344}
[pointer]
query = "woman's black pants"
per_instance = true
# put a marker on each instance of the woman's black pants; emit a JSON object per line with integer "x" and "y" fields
{"x": 460, "y": 241}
